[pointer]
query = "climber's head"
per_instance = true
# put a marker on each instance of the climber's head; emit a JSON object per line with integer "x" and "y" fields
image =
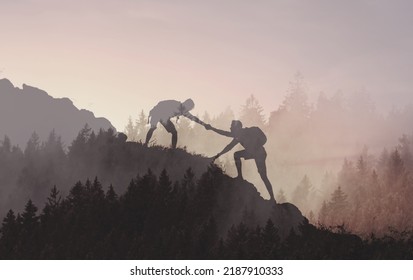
{"x": 236, "y": 126}
{"x": 188, "y": 105}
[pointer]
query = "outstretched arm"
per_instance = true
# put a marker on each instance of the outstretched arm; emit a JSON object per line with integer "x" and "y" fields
{"x": 219, "y": 131}
{"x": 193, "y": 118}
{"x": 227, "y": 148}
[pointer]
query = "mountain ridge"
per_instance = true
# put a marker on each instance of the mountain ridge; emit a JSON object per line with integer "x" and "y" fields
{"x": 34, "y": 110}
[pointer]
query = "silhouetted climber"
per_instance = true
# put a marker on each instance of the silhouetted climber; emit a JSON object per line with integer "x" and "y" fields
{"x": 253, "y": 140}
{"x": 164, "y": 111}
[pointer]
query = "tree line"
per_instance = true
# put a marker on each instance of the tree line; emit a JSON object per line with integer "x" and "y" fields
{"x": 156, "y": 218}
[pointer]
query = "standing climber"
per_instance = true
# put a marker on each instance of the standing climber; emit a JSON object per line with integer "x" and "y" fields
{"x": 164, "y": 111}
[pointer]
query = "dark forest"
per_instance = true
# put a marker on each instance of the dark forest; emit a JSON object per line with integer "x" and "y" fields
{"x": 154, "y": 215}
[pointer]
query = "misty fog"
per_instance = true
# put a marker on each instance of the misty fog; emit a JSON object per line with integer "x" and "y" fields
{"x": 313, "y": 149}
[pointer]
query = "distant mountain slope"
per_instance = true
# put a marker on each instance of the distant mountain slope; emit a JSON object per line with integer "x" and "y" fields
{"x": 23, "y": 111}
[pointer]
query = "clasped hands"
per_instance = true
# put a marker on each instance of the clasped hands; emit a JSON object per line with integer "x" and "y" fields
{"x": 208, "y": 126}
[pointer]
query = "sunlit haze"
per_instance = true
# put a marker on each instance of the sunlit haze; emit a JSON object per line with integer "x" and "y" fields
{"x": 118, "y": 57}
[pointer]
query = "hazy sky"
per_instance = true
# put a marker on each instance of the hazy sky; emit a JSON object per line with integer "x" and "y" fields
{"x": 115, "y": 57}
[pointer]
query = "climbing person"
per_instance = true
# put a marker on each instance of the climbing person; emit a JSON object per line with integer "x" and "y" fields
{"x": 253, "y": 140}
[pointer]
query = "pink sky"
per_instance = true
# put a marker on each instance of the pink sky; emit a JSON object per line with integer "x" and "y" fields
{"x": 118, "y": 57}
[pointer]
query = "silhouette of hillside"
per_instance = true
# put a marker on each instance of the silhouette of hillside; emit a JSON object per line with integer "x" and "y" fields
{"x": 153, "y": 203}
{"x": 107, "y": 156}
{"x": 23, "y": 111}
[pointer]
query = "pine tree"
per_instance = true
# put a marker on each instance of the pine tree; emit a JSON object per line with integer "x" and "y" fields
{"x": 189, "y": 180}
{"x": 323, "y": 214}
{"x": 131, "y": 130}
{"x": 29, "y": 238}
{"x": 77, "y": 195}
{"x": 51, "y": 209}
{"x": 406, "y": 148}
{"x": 302, "y": 191}
{"x": 296, "y": 101}
{"x": 9, "y": 235}
{"x": 237, "y": 241}
{"x": 338, "y": 207}
{"x": 140, "y": 126}
{"x": 54, "y": 146}
{"x": 5, "y": 146}
{"x": 207, "y": 239}
{"x": 270, "y": 241}
{"x": 95, "y": 190}
{"x": 362, "y": 166}
{"x": 396, "y": 169}
{"x": 33, "y": 146}
{"x": 54, "y": 199}
{"x": 164, "y": 182}
{"x": 9, "y": 224}
{"x": 78, "y": 148}
{"x": 252, "y": 113}
{"x": 111, "y": 195}
{"x": 29, "y": 217}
